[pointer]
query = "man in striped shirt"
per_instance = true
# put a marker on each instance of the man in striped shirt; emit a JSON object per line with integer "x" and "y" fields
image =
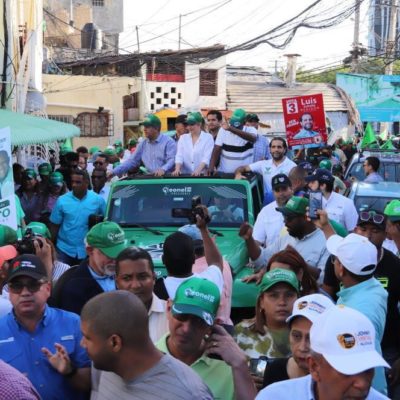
{"x": 156, "y": 152}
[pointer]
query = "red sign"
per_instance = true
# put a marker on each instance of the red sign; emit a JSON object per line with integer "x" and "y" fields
{"x": 305, "y": 121}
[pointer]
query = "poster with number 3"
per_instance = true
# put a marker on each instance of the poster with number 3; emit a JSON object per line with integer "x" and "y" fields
{"x": 305, "y": 121}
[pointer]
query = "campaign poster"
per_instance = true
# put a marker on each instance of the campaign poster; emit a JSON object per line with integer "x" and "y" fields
{"x": 305, "y": 121}
{"x": 8, "y": 215}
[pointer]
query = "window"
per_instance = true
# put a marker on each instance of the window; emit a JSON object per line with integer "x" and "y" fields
{"x": 158, "y": 101}
{"x": 208, "y": 82}
{"x": 152, "y": 107}
{"x": 95, "y": 124}
{"x": 98, "y": 3}
{"x": 173, "y": 90}
{"x": 173, "y": 101}
{"x": 166, "y": 95}
{"x": 152, "y": 95}
{"x": 69, "y": 119}
{"x": 158, "y": 89}
{"x": 179, "y": 95}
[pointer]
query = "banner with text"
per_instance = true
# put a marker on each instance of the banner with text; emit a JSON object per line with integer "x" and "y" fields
{"x": 305, "y": 121}
{"x": 8, "y": 215}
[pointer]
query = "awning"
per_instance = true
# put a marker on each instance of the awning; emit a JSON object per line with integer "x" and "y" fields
{"x": 28, "y": 129}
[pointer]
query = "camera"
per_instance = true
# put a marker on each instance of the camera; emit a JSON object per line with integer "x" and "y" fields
{"x": 191, "y": 213}
{"x": 26, "y": 245}
{"x": 257, "y": 365}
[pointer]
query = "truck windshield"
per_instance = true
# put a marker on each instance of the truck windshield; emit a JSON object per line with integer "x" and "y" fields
{"x": 152, "y": 204}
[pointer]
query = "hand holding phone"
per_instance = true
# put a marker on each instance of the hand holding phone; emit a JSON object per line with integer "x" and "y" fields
{"x": 315, "y": 203}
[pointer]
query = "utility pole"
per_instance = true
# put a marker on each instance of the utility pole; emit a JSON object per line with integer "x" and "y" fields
{"x": 180, "y": 31}
{"x": 356, "y": 38}
{"x": 391, "y": 41}
{"x": 142, "y": 94}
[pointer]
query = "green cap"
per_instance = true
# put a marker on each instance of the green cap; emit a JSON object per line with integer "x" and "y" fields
{"x": 45, "y": 169}
{"x": 7, "y": 235}
{"x": 109, "y": 152}
{"x": 199, "y": 297}
{"x": 194, "y": 118}
{"x": 108, "y": 237}
{"x": 64, "y": 149}
{"x": 132, "y": 142}
{"x": 94, "y": 149}
{"x": 294, "y": 207}
{"x": 118, "y": 143}
{"x": 30, "y": 173}
{"x": 326, "y": 164}
{"x": 38, "y": 229}
{"x": 118, "y": 149}
{"x": 279, "y": 275}
{"x": 392, "y": 211}
{"x": 151, "y": 120}
{"x": 56, "y": 178}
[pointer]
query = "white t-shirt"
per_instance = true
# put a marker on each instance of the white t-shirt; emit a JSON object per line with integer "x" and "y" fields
{"x": 268, "y": 169}
{"x": 238, "y": 154}
{"x": 191, "y": 156}
{"x": 268, "y": 224}
{"x": 341, "y": 209}
{"x": 301, "y": 389}
{"x": 212, "y": 273}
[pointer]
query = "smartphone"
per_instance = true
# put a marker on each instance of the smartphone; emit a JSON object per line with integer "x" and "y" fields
{"x": 257, "y": 366}
{"x": 315, "y": 203}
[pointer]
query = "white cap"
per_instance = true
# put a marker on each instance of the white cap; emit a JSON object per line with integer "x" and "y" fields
{"x": 346, "y": 339}
{"x": 355, "y": 252}
{"x": 310, "y": 307}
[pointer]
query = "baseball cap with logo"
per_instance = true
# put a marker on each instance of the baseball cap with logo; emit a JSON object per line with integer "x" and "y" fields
{"x": 118, "y": 143}
{"x": 151, "y": 120}
{"x": 56, "y": 179}
{"x": 194, "y": 118}
{"x": 109, "y": 151}
{"x": 7, "y": 235}
{"x": 310, "y": 307}
{"x": 252, "y": 118}
{"x": 279, "y": 275}
{"x": 294, "y": 207}
{"x": 29, "y": 173}
{"x": 27, "y": 265}
{"x": 392, "y": 211}
{"x": 355, "y": 252}
{"x": 94, "y": 149}
{"x": 346, "y": 339}
{"x": 45, "y": 169}
{"x": 108, "y": 237}
{"x": 321, "y": 175}
{"x": 38, "y": 228}
{"x": 280, "y": 180}
{"x": 199, "y": 297}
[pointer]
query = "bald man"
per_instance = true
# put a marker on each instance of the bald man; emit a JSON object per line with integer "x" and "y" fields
{"x": 116, "y": 336}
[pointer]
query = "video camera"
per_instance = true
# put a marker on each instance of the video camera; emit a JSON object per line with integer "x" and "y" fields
{"x": 26, "y": 245}
{"x": 191, "y": 213}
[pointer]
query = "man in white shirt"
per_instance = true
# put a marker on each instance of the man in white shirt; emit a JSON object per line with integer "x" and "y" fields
{"x": 233, "y": 145}
{"x": 134, "y": 271}
{"x": 269, "y": 222}
{"x": 278, "y": 164}
{"x": 99, "y": 183}
{"x": 341, "y": 362}
{"x": 339, "y": 208}
{"x": 179, "y": 257}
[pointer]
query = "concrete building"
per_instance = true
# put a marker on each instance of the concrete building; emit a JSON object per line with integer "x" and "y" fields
{"x": 379, "y": 22}
{"x": 95, "y": 104}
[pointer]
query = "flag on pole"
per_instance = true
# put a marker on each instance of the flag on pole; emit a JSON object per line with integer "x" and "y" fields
{"x": 384, "y": 135}
{"x": 369, "y": 137}
{"x": 388, "y": 145}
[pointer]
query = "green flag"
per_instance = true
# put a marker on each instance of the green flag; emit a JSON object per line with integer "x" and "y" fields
{"x": 388, "y": 145}
{"x": 384, "y": 135}
{"x": 369, "y": 136}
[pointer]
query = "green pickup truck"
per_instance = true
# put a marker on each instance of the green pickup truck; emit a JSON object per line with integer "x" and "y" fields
{"x": 149, "y": 209}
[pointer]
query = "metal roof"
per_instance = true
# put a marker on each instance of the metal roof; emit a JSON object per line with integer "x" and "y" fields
{"x": 265, "y": 97}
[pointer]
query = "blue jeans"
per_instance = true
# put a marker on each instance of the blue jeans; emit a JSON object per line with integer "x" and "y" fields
{"x": 65, "y": 258}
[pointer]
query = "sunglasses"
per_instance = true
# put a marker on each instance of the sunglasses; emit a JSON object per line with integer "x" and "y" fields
{"x": 372, "y": 215}
{"x": 32, "y": 286}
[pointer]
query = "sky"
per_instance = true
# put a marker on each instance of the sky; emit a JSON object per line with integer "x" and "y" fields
{"x": 230, "y": 22}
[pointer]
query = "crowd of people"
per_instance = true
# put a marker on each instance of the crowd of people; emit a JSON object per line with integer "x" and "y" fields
{"x": 83, "y": 315}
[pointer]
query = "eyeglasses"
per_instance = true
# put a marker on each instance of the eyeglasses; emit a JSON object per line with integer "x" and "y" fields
{"x": 32, "y": 286}
{"x": 368, "y": 215}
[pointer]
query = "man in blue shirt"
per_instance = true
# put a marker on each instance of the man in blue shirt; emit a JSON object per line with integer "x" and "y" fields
{"x": 94, "y": 275}
{"x": 156, "y": 152}
{"x": 42, "y": 342}
{"x": 70, "y": 218}
{"x": 355, "y": 260}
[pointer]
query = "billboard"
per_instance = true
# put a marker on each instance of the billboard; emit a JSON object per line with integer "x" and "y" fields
{"x": 377, "y": 97}
{"x": 305, "y": 121}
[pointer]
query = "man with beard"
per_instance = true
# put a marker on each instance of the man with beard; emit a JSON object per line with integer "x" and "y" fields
{"x": 96, "y": 273}
{"x": 214, "y": 121}
{"x": 302, "y": 235}
{"x": 278, "y": 164}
